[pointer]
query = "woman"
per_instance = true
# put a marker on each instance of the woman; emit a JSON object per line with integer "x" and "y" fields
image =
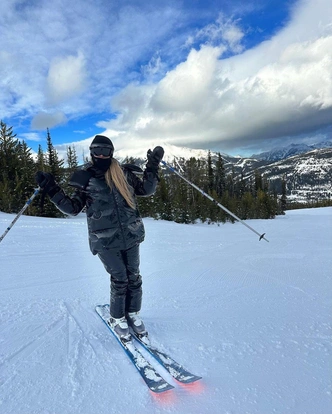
{"x": 107, "y": 191}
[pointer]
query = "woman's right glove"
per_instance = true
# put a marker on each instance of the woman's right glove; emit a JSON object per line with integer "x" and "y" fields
{"x": 46, "y": 182}
{"x": 154, "y": 158}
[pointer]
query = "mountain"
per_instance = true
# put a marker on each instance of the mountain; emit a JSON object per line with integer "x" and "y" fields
{"x": 307, "y": 169}
{"x": 171, "y": 152}
{"x": 308, "y": 176}
{"x": 281, "y": 153}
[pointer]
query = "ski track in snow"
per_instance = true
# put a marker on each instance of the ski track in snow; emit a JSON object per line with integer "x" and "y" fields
{"x": 252, "y": 318}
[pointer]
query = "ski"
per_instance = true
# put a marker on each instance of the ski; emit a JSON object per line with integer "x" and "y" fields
{"x": 151, "y": 377}
{"x": 174, "y": 368}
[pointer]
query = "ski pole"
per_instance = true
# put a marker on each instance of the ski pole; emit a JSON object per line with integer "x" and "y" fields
{"x": 26, "y": 205}
{"x": 261, "y": 236}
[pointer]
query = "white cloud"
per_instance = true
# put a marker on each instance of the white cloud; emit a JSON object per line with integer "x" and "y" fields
{"x": 154, "y": 67}
{"x": 72, "y": 57}
{"x": 45, "y": 120}
{"x": 283, "y": 87}
{"x": 66, "y": 78}
{"x": 31, "y": 136}
{"x": 224, "y": 31}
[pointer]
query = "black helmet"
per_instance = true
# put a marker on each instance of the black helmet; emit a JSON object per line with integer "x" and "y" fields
{"x": 101, "y": 145}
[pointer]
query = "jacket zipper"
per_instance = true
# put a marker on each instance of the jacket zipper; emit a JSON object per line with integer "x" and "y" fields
{"x": 118, "y": 215}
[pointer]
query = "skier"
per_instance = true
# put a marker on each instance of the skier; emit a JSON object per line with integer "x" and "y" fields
{"x": 107, "y": 191}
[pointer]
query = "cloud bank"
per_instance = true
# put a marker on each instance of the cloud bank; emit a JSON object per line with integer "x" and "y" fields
{"x": 162, "y": 79}
{"x": 280, "y": 89}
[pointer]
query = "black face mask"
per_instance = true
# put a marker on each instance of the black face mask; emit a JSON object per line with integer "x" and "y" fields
{"x": 102, "y": 164}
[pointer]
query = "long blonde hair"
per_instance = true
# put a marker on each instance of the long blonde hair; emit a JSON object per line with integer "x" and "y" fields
{"x": 115, "y": 176}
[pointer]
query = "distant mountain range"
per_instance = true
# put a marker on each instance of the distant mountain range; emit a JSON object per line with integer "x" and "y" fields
{"x": 307, "y": 169}
{"x": 308, "y": 174}
{"x": 289, "y": 151}
{"x": 171, "y": 152}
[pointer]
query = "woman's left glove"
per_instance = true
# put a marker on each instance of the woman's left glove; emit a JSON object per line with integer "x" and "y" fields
{"x": 154, "y": 158}
{"x": 46, "y": 182}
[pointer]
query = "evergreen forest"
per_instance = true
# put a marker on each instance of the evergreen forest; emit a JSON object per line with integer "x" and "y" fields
{"x": 174, "y": 199}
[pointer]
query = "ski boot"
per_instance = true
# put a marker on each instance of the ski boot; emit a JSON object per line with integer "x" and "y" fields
{"x": 120, "y": 327}
{"x": 136, "y": 323}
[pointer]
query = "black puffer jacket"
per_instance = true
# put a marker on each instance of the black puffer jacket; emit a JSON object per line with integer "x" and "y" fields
{"x": 112, "y": 224}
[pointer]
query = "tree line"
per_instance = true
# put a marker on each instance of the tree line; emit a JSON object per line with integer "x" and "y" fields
{"x": 177, "y": 201}
{"x": 174, "y": 199}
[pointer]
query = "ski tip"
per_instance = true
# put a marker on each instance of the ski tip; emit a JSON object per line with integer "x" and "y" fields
{"x": 162, "y": 388}
{"x": 189, "y": 379}
{"x": 101, "y": 306}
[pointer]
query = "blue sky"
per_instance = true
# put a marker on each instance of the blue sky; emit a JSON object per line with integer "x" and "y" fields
{"x": 232, "y": 76}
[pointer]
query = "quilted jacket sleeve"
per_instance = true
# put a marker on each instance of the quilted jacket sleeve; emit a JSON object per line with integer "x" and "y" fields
{"x": 144, "y": 187}
{"x": 69, "y": 205}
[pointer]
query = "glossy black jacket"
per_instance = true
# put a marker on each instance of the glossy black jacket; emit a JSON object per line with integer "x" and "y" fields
{"x": 112, "y": 224}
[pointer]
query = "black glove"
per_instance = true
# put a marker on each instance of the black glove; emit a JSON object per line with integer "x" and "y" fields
{"x": 46, "y": 182}
{"x": 154, "y": 158}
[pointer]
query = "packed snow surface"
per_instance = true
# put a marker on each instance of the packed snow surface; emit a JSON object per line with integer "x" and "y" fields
{"x": 252, "y": 318}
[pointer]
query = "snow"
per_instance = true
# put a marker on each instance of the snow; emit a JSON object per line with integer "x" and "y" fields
{"x": 171, "y": 151}
{"x": 252, "y": 318}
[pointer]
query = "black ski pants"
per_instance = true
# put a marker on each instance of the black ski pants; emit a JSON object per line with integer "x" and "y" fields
{"x": 126, "y": 281}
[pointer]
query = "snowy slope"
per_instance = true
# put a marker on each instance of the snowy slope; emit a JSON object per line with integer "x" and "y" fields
{"x": 252, "y": 318}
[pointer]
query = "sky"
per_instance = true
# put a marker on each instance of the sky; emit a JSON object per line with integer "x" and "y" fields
{"x": 236, "y": 76}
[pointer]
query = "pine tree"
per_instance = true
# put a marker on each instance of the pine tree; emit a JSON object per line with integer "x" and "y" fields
{"x": 8, "y": 151}
{"x": 258, "y": 185}
{"x": 72, "y": 160}
{"x": 164, "y": 207}
{"x": 283, "y": 199}
{"x": 72, "y": 165}
{"x": 230, "y": 183}
{"x": 247, "y": 206}
{"x": 54, "y": 166}
{"x": 220, "y": 176}
{"x": 25, "y": 174}
{"x": 210, "y": 175}
{"x": 17, "y": 169}
{"x": 41, "y": 161}
{"x": 180, "y": 203}
{"x": 8, "y": 164}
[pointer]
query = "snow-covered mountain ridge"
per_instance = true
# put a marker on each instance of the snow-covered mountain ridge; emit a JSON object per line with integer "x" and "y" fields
{"x": 171, "y": 152}
{"x": 281, "y": 153}
{"x": 308, "y": 175}
{"x": 306, "y": 169}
